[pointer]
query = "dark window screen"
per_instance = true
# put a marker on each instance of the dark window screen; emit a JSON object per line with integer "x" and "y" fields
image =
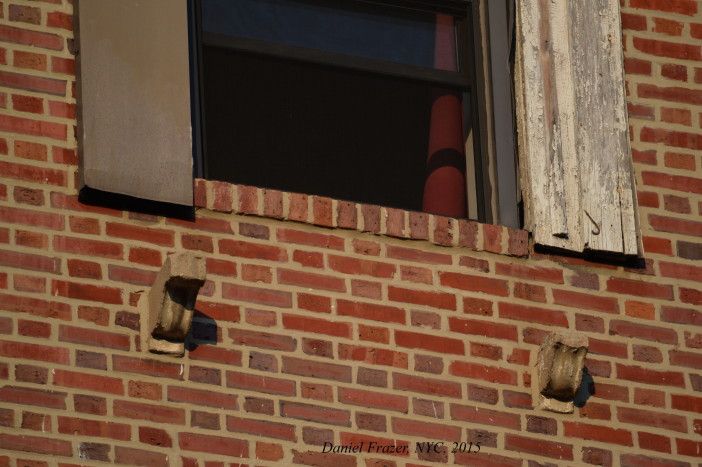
{"x": 312, "y": 128}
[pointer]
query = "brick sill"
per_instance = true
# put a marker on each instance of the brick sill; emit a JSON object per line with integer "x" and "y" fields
{"x": 326, "y": 212}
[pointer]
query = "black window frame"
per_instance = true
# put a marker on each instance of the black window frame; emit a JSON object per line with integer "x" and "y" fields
{"x": 471, "y": 54}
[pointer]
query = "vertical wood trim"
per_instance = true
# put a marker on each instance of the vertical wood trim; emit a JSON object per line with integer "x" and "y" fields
{"x": 576, "y": 165}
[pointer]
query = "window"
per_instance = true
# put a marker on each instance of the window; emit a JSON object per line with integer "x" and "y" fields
{"x": 360, "y": 100}
{"x": 300, "y": 109}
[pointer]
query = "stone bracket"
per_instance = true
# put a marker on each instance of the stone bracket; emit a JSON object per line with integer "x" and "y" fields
{"x": 170, "y": 304}
{"x": 559, "y": 371}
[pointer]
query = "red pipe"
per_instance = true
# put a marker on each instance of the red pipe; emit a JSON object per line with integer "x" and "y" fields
{"x": 445, "y": 186}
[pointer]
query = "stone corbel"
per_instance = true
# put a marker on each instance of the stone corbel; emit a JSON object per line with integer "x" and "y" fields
{"x": 170, "y": 304}
{"x": 559, "y": 371}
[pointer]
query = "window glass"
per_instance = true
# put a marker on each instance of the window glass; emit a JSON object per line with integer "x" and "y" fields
{"x": 346, "y": 27}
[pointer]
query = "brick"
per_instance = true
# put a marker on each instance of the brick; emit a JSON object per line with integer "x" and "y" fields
{"x": 132, "y": 456}
{"x": 586, "y": 301}
{"x": 428, "y": 364}
{"x": 534, "y": 293}
{"x": 492, "y": 238}
{"x": 202, "y": 397}
{"x": 93, "y": 337}
{"x": 408, "y": 254}
{"x": 88, "y": 292}
{"x": 659, "y": 420}
{"x": 644, "y": 375}
{"x": 686, "y": 359}
{"x": 372, "y": 399}
{"x": 90, "y": 382}
{"x": 258, "y": 405}
{"x": 634, "y": 460}
{"x": 612, "y": 349}
{"x": 633, "y": 22}
{"x": 681, "y": 315}
{"x": 93, "y": 428}
{"x": 419, "y": 297}
{"x": 477, "y": 306}
{"x": 156, "y": 236}
{"x": 360, "y": 267}
{"x": 90, "y": 404}
{"x": 320, "y": 392}
{"x": 517, "y": 399}
{"x": 267, "y": 429}
{"x": 314, "y": 413}
{"x": 543, "y": 425}
{"x": 56, "y": 87}
{"x": 658, "y": 245}
{"x": 31, "y": 374}
{"x": 144, "y": 390}
{"x": 27, "y": 126}
{"x": 640, "y": 288}
{"x": 299, "y": 237}
{"x": 532, "y": 314}
{"x": 425, "y": 429}
{"x": 147, "y": 366}
{"x": 642, "y": 331}
{"x": 597, "y": 433}
{"x": 36, "y": 444}
{"x": 681, "y": 271}
{"x": 679, "y": 116}
{"x": 369, "y": 421}
{"x": 673, "y": 182}
{"x": 414, "y": 340}
{"x": 313, "y": 369}
{"x": 687, "y": 403}
{"x": 654, "y": 442}
{"x": 683, "y": 7}
{"x": 34, "y": 352}
{"x": 323, "y": 459}
{"x": 483, "y": 328}
{"x": 372, "y": 377}
{"x": 668, "y": 49}
{"x": 35, "y": 397}
{"x": 483, "y": 372}
{"x": 311, "y": 280}
{"x": 256, "y": 295}
{"x": 262, "y": 340}
{"x": 474, "y": 283}
{"x": 373, "y": 356}
{"x": 264, "y": 384}
{"x": 483, "y": 416}
{"x": 309, "y": 258}
{"x": 94, "y": 451}
{"x": 151, "y": 412}
{"x": 371, "y": 311}
{"x": 219, "y": 445}
{"x": 539, "y": 447}
{"x": 263, "y": 362}
{"x": 423, "y": 385}
{"x": 318, "y": 347}
{"x": 346, "y": 215}
{"x": 317, "y": 326}
{"x": 634, "y": 66}
{"x": 30, "y": 261}
{"x": 252, "y": 250}
{"x": 315, "y": 303}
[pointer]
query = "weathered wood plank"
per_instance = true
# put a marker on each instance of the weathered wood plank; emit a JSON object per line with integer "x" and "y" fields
{"x": 575, "y": 159}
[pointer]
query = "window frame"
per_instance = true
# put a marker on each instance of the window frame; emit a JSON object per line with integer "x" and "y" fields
{"x": 486, "y": 181}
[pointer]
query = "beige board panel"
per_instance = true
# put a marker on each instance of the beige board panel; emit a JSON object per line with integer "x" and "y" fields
{"x": 575, "y": 159}
{"x": 135, "y": 132}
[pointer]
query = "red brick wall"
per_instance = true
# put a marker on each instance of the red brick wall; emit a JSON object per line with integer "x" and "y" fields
{"x": 326, "y": 321}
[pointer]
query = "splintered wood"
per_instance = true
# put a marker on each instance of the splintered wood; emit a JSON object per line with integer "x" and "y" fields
{"x": 574, "y": 153}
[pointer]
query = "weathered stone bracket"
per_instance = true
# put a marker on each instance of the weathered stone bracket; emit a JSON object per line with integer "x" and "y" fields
{"x": 559, "y": 371}
{"x": 170, "y": 303}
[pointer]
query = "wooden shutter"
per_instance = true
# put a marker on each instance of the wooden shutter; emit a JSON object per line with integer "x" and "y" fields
{"x": 135, "y": 131}
{"x": 575, "y": 161}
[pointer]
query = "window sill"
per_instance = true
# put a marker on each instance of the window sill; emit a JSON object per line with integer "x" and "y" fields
{"x": 330, "y": 213}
